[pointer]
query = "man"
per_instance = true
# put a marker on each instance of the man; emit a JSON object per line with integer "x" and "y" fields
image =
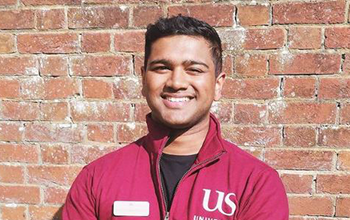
{"x": 182, "y": 169}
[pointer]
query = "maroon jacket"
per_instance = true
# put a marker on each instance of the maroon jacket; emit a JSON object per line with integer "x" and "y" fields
{"x": 224, "y": 183}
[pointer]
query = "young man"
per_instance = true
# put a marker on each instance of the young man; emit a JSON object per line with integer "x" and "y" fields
{"x": 182, "y": 169}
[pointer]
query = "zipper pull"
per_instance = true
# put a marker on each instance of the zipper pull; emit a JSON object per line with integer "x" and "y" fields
{"x": 166, "y": 216}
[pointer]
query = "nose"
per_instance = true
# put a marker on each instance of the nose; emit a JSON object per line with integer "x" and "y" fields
{"x": 177, "y": 80}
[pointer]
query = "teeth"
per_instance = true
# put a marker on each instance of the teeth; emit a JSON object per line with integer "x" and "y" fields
{"x": 172, "y": 99}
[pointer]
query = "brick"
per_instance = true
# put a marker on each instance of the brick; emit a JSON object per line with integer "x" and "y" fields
{"x": 334, "y": 184}
{"x": 95, "y": 42}
{"x": 60, "y": 88}
{"x": 52, "y": 175}
{"x": 98, "y": 89}
{"x": 144, "y": 15}
{"x": 141, "y": 110}
{"x": 253, "y": 136}
{"x": 207, "y": 12}
{"x": 13, "y": 213}
{"x": 253, "y": 15}
{"x": 335, "y": 137}
{"x": 101, "y": 65}
{"x": 130, "y": 41}
{"x": 311, "y": 205}
{"x": 20, "y": 110}
{"x": 45, "y": 132}
{"x": 222, "y": 110}
{"x": 334, "y": 88}
{"x": 299, "y": 136}
{"x": 295, "y": 183}
{"x": 32, "y": 88}
{"x": 251, "y": 65}
{"x": 16, "y": 19}
{"x": 250, "y": 114}
{"x": 299, "y": 159}
{"x": 86, "y": 154}
{"x": 98, "y": 17}
{"x": 48, "y": 43}
{"x": 9, "y": 88}
{"x": 100, "y": 133}
{"x": 18, "y": 153}
{"x": 50, "y": 19}
{"x": 227, "y": 64}
{"x": 299, "y": 87}
{"x": 264, "y": 38}
{"x": 130, "y": 132}
{"x": 281, "y": 112}
{"x": 54, "y": 195}
{"x": 44, "y": 212}
{"x": 7, "y": 43}
{"x": 54, "y": 111}
{"x": 127, "y": 88}
{"x": 54, "y": 66}
{"x": 304, "y": 38}
{"x": 250, "y": 88}
{"x": 18, "y": 66}
{"x": 288, "y": 63}
{"x": 100, "y": 111}
{"x": 233, "y": 39}
{"x": 138, "y": 63}
{"x": 51, "y": 2}
{"x": 20, "y": 194}
{"x": 11, "y": 131}
{"x": 54, "y": 154}
{"x": 7, "y": 2}
{"x": 343, "y": 162}
{"x": 337, "y": 37}
{"x": 345, "y": 113}
{"x": 11, "y": 174}
{"x": 327, "y": 12}
{"x": 346, "y": 64}
{"x": 342, "y": 207}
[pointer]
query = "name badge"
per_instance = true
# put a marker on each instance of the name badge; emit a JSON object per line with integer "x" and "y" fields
{"x": 131, "y": 208}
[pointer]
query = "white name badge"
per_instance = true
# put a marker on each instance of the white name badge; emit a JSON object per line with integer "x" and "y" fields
{"x": 131, "y": 208}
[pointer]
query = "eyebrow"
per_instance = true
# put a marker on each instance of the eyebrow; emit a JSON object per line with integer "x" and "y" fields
{"x": 186, "y": 62}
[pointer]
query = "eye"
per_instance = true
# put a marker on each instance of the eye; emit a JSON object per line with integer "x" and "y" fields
{"x": 160, "y": 68}
{"x": 195, "y": 70}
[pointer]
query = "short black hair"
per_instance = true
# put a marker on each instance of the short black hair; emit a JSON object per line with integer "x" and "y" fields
{"x": 184, "y": 25}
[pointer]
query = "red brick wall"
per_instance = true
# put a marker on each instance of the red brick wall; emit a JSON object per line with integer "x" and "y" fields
{"x": 70, "y": 92}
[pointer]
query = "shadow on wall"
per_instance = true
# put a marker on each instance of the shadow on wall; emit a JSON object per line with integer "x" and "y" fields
{"x": 58, "y": 214}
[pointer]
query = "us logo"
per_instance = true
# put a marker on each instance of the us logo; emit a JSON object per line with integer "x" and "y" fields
{"x": 221, "y": 199}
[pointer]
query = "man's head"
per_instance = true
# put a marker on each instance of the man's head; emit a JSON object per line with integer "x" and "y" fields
{"x": 182, "y": 25}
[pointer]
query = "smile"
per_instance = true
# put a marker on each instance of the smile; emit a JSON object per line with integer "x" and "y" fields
{"x": 173, "y": 99}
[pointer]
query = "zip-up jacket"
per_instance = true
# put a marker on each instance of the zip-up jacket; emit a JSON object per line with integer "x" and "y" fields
{"x": 224, "y": 182}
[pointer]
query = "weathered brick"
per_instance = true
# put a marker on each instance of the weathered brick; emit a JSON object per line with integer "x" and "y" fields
{"x": 299, "y": 159}
{"x": 9, "y": 88}
{"x": 43, "y": 212}
{"x": 54, "y": 66}
{"x": 11, "y": 131}
{"x": 138, "y": 62}
{"x": 141, "y": 110}
{"x": 100, "y": 133}
{"x": 343, "y": 162}
{"x": 48, "y": 43}
{"x": 54, "y": 111}
{"x": 253, "y": 15}
{"x": 304, "y": 38}
{"x": 334, "y": 184}
{"x": 227, "y": 64}
{"x": 328, "y": 12}
{"x": 130, "y": 41}
{"x": 54, "y": 154}
{"x": 16, "y": 19}
{"x": 250, "y": 88}
{"x": 13, "y": 213}
{"x": 60, "y": 88}
{"x": 101, "y": 65}
{"x": 264, "y": 38}
{"x": 299, "y": 87}
{"x": 233, "y": 39}
{"x": 8, "y": 2}
{"x": 345, "y": 113}
{"x": 311, "y": 205}
{"x": 100, "y": 111}
{"x": 7, "y": 43}
{"x": 98, "y": 17}
{"x": 346, "y": 64}
{"x": 18, "y": 66}
{"x": 127, "y": 88}
{"x": 95, "y": 42}
{"x": 18, "y": 153}
{"x": 281, "y": 112}
{"x": 130, "y": 132}
{"x": 144, "y": 15}
{"x": 253, "y": 136}
{"x": 334, "y": 88}
{"x": 334, "y": 137}
{"x": 54, "y": 195}
{"x": 288, "y": 63}
{"x": 20, "y": 110}
{"x": 342, "y": 207}
{"x": 11, "y": 174}
{"x": 250, "y": 114}
{"x": 85, "y": 154}
{"x": 49, "y": 19}
{"x": 51, "y": 2}
{"x": 251, "y": 65}
{"x": 98, "y": 89}
{"x": 20, "y": 194}
{"x": 299, "y": 136}
{"x": 222, "y": 110}
{"x": 32, "y": 88}
{"x": 207, "y": 12}
{"x": 337, "y": 37}
{"x": 295, "y": 183}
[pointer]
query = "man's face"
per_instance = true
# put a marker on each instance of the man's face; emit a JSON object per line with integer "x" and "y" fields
{"x": 179, "y": 82}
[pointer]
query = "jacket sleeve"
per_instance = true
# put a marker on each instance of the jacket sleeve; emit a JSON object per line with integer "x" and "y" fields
{"x": 80, "y": 202}
{"x": 268, "y": 199}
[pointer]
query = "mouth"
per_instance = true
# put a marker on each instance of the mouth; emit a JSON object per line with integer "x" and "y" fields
{"x": 176, "y": 102}
{"x": 182, "y": 99}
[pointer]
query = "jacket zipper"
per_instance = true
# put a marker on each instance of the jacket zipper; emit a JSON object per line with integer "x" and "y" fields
{"x": 166, "y": 217}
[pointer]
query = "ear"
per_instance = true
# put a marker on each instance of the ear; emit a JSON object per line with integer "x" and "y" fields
{"x": 143, "y": 72}
{"x": 219, "y": 83}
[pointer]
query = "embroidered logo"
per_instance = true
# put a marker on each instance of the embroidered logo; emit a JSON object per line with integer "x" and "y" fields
{"x": 221, "y": 198}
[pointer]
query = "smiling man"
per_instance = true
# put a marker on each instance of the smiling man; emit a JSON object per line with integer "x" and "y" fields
{"x": 182, "y": 169}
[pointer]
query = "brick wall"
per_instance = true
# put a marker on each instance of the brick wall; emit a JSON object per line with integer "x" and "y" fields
{"x": 70, "y": 92}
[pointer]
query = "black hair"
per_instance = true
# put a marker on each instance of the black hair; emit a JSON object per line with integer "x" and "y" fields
{"x": 183, "y": 25}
